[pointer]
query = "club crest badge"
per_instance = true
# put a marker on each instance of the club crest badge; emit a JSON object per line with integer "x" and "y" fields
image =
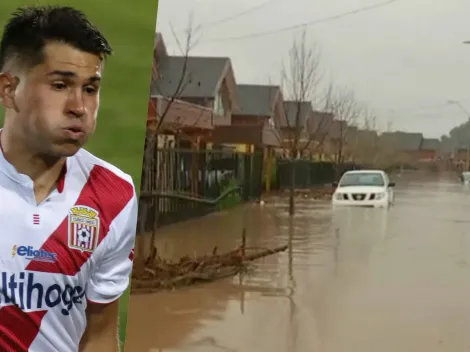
{"x": 84, "y": 225}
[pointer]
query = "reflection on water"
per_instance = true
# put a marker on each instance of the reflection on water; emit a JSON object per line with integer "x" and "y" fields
{"x": 349, "y": 281}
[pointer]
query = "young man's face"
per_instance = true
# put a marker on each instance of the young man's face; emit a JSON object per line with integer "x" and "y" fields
{"x": 55, "y": 103}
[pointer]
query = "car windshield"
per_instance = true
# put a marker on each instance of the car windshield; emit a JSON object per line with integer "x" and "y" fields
{"x": 362, "y": 179}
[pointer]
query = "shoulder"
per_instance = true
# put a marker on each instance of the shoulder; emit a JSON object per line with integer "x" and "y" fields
{"x": 108, "y": 183}
{"x": 93, "y": 163}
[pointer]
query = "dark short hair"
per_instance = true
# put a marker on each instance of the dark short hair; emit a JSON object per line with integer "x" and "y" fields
{"x": 30, "y": 28}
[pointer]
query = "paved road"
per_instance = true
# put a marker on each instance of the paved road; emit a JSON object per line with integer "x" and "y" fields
{"x": 357, "y": 280}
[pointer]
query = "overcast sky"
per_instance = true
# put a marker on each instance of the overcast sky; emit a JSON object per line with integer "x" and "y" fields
{"x": 405, "y": 59}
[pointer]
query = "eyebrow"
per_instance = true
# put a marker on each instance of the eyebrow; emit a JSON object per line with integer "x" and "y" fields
{"x": 70, "y": 74}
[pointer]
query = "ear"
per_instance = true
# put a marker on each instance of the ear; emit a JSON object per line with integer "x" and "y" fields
{"x": 8, "y": 85}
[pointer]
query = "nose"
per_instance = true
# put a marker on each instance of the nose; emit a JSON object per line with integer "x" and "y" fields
{"x": 75, "y": 104}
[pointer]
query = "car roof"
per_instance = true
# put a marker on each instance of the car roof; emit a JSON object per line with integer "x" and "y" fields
{"x": 364, "y": 171}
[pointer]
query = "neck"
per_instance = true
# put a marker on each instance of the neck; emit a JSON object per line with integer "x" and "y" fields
{"x": 43, "y": 170}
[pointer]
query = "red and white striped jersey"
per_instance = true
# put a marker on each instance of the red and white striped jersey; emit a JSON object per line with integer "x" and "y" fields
{"x": 57, "y": 256}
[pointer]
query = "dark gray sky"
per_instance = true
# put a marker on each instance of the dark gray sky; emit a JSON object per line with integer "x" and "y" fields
{"x": 405, "y": 60}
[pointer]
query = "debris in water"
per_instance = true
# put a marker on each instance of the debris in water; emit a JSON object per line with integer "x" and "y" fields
{"x": 156, "y": 274}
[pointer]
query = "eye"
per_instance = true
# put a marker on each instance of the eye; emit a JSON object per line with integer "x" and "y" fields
{"x": 59, "y": 85}
{"x": 91, "y": 90}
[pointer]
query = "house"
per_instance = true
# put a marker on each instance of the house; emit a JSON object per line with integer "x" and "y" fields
{"x": 178, "y": 122}
{"x": 294, "y": 127}
{"x": 366, "y": 149}
{"x": 404, "y": 141}
{"x": 318, "y": 129}
{"x": 336, "y": 144}
{"x": 204, "y": 89}
{"x": 401, "y": 147}
{"x": 256, "y": 123}
{"x": 429, "y": 150}
{"x": 182, "y": 120}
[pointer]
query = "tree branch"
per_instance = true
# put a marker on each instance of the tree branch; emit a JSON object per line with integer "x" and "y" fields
{"x": 300, "y": 79}
{"x": 184, "y": 78}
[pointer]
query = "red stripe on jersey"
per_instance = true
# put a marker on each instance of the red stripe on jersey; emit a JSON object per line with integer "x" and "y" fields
{"x": 131, "y": 255}
{"x": 18, "y": 329}
{"x": 105, "y": 192}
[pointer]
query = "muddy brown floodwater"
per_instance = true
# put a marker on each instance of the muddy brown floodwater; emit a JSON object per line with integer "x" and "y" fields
{"x": 356, "y": 280}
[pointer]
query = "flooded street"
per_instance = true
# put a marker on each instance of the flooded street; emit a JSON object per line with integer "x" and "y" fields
{"x": 354, "y": 280}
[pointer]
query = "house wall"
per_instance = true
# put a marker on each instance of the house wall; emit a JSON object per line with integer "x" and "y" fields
{"x": 237, "y": 134}
{"x": 180, "y": 114}
{"x": 269, "y": 135}
{"x": 217, "y": 120}
{"x": 248, "y": 120}
{"x": 427, "y": 155}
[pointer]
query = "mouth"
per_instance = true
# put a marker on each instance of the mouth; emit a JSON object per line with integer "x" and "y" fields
{"x": 74, "y": 132}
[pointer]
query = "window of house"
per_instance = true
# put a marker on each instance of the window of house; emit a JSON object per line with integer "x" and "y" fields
{"x": 219, "y": 104}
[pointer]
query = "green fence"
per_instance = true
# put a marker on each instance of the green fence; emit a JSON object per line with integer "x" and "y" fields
{"x": 308, "y": 173}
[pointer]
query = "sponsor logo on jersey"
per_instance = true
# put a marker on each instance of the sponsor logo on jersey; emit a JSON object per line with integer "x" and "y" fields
{"x": 84, "y": 225}
{"x": 28, "y": 293}
{"x": 30, "y": 253}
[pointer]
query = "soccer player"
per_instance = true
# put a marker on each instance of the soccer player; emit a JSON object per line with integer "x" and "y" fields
{"x": 67, "y": 218}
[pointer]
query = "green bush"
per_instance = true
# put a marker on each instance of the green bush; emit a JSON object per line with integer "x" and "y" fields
{"x": 233, "y": 199}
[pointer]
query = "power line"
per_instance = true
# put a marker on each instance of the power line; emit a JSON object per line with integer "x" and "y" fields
{"x": 238, "y": 14}
{"x": 305, "y": 24}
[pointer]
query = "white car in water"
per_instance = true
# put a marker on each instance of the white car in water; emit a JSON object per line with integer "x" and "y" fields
{"x": 370, "y": 188}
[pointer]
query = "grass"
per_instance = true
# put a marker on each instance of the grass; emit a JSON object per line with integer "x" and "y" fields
{"x": 123, "y": 309}
{"x": 120, "y": 134}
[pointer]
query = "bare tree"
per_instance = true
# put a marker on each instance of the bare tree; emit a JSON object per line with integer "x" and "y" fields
{"x": 300, "y": 77}
{"x": 346, "y": 110}
{"x": 158, "y": 133}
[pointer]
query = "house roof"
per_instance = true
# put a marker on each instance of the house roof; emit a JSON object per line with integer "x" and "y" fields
{"x": 353, "y": 131}
{"x": 320, "y": 122}
{"x": 257, "y": 100}
{"x": 159, "y": 44}
{"x": 294, "y": 109}
{"x": 363, "y": 136}
{"x": 201, "y": 77}
{"x": 367, "y": 134}
{"x": 431, "y": 144}
{"x": 403, "y": 140}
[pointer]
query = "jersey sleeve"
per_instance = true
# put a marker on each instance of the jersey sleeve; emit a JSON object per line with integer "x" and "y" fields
{"x": 111, "y": 277}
